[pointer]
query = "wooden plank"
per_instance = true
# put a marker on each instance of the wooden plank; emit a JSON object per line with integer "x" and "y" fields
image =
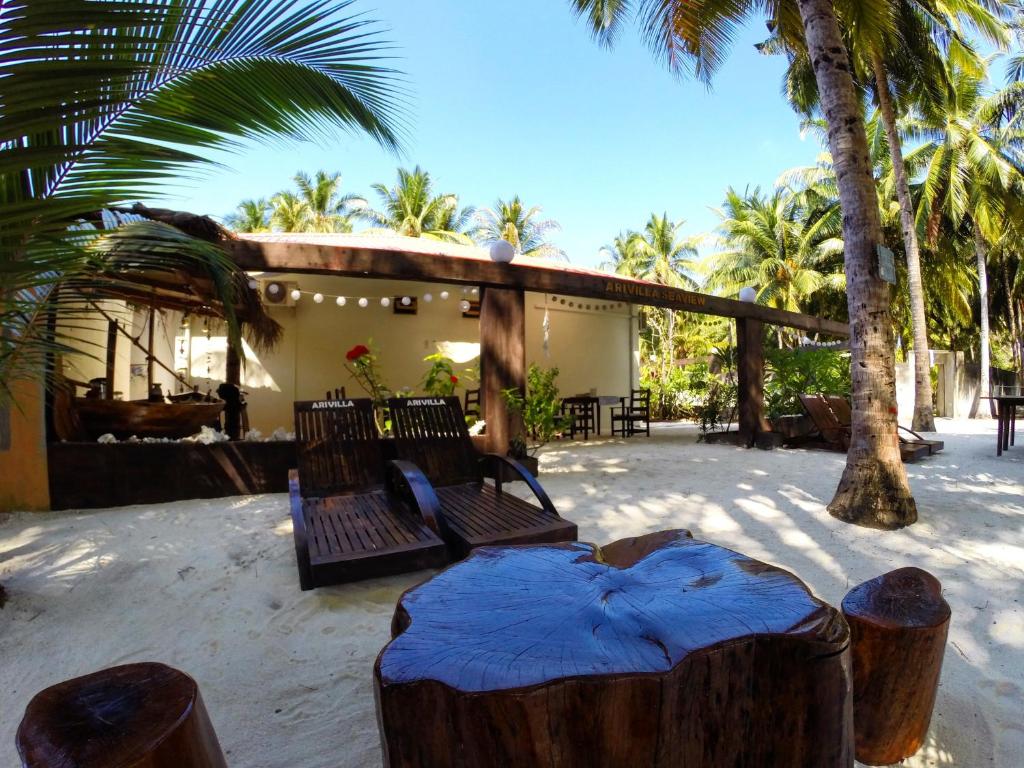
{"x": 502, "y": 361}
{"x": 368, "y": 262}
{"x": 111, "y": 356}
{"x": 750, "y": 374}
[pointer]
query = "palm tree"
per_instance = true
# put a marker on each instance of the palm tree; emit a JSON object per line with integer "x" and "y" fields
{"x": 329, "y": 210}
{"x": 974, "y": 170}
{"x": 873, "y": 490}
{"x": 776, "y": 244}
{"x": 411, "y": 208}
{"x": 901, "y": 60}
{"x": 130, "y": 90}
{"x": 250, "y": 216}
{"x": 512, "y": 221}
{"x": 289, "y": 213}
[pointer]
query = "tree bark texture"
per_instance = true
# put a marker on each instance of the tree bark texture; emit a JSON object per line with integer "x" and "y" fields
{"x": 924, "y": 416}
{"x": 139, "y": 715}
{"x": 873, "y": 490}
{"x": 653, "y": 652}
{"x": 985, "y": 407}
{"x": 898, "y": 627}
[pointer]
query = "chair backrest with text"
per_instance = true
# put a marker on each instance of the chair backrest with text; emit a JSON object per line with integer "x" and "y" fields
{"x": 431, "y": 432}
{"x": 338, "y": 447}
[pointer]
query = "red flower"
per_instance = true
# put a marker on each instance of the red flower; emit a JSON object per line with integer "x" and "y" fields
{"x": 359, "y": 350}
{"x": 455, "y": 379}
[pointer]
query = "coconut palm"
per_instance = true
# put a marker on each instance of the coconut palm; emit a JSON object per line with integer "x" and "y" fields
{"x": 873, "y": 490}
{"x": 776, "y": 244}
{"x": 250, "y": 216}
{"x": 899, "y": 62}
{"x": 511, "y": 220}
{"x": 289, "y": 213}
{"x": 411, "y": 208}
{"x": 974, "y": 171}
{"x": 105, "y": 101}
{"x": 329, "y": 210}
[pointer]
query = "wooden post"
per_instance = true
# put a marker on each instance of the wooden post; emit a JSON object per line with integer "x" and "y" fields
{"x": 502, "y": 360}
{"x": 111, "y": 356}
{"x": 232, "y": 367}
{"x": 149, "y": 350}
{"x": 144, "y": 715}
{"x": 750, "y": 378}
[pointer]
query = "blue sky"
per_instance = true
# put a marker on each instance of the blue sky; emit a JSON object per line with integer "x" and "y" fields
{"x": 525, "y": 102}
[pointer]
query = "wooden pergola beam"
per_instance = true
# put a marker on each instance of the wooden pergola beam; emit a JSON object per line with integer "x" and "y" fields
{"x": 390, "y": 264}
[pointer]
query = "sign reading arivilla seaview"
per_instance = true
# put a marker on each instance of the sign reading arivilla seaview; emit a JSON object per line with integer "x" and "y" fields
{"x": 656, "y": 292}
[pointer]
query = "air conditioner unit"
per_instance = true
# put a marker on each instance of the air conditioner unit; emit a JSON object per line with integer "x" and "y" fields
{"x": 277, "y": 293}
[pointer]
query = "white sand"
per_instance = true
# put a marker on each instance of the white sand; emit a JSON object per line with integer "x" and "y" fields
{"x": 211, "y": 587}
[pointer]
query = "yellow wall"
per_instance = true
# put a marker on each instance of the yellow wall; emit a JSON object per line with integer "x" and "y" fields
{"x": 591, "y": 348}
{"x": 23, "y": 480}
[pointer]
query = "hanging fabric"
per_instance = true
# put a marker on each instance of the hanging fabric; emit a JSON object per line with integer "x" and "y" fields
{"x": 546, "y": 325}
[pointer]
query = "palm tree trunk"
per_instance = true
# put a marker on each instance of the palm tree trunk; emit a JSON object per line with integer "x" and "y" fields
{"x": 984, "y": 386}
{"x": 669, "y": 355}
{"x": 873, "y": 490}
{"x": 924, "y": 417}
{"x": 1012, "y": 308}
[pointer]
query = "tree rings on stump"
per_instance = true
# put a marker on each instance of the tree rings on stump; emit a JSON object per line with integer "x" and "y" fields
{"x": 656, "y": 651}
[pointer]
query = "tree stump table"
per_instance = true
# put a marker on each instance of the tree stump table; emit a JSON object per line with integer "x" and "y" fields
{"x": 898, "y": 627}
{"x": 135, "y": 716}
{"x": 656, "y": 651}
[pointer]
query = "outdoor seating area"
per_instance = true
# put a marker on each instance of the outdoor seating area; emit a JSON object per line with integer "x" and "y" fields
{"x": 224, "y": 571}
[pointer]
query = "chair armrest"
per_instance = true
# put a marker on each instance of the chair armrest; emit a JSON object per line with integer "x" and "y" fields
{"x": 299, "y": 531}
{"x": 408, "y": 481}
{"x": 496, "y": 460}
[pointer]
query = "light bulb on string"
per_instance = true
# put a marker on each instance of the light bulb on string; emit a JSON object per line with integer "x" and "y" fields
{"x": 363, "y": 302}
{"x": 444, "y": 295}
{"x": 318, "y": 298}
{"x": 464, "y": 305}
{"x": 296, "y": 294}
{"x": 385, "y": 302}
{"x": 273, "y": 289}
{"x": 406, "y": 301}
{"x": 340, "y": 301}
{"x": 253, "y": 283}
{"x": 474, "y": 291}
{"x": 427, "y": 298}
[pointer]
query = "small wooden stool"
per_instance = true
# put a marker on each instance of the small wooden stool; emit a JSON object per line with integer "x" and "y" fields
{"x": 898, "y": 627}
{"x": 135, "y": 716}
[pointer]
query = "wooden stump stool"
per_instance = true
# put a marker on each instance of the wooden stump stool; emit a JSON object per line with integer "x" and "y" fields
{"x": 898, "y": 627}
{"x": 660, "y": 651}
{"x": 136, "y": 716}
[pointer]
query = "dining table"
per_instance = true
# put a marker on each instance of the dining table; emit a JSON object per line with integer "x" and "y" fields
{"x": 1006, "y": 417}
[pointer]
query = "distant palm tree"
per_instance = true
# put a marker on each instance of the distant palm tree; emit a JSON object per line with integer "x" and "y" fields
{"x": 775, "y": 245}
{"x": 250, "y": 216}
{"x": 411, "y": 208}
{"x": 512, "y": 221}
{"x": 328, "y": 209}
{"x": 289, "y": 213}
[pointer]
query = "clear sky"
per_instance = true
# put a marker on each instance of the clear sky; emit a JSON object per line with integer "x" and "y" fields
{"x": 516, "y": 98}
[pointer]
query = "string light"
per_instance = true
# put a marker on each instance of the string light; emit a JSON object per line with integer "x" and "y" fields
{"x": 444, "y": 295}
{"x": 427, "y": 298}
{"x": 406, "y": 301}
{"x": 296, "y": 294}
{"x": 363, "y": 302}
{"x": 318, "y": 298}
{"x": 464, "y": 305}
{"x": 385, "y": 301}
{"x": 340, "y": 301}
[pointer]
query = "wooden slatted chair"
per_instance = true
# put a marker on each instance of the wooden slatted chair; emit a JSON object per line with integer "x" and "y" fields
{"x": 841, "y": 408}
{"x": 337, "y": 394}
{"x": 472, "y": 402}
{"x": 630, "y": 418}
{"x": 836, "y": 435}
{"x": 354, "y": 515}
{"x": 432, "y": 434}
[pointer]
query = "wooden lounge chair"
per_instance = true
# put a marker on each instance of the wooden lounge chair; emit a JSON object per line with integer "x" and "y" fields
{"x": 841, "y": 408}
{"x": 432, "y": 434}
{"x": 835, "y": 435}
{"x": 353, "y": 515}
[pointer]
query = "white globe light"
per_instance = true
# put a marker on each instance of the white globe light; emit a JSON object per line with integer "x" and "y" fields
{"x": 296, "y": 294}
{"x": 340, "y": 301}
{"x": 273, "y": 289}
{"x": 502, "y": 251}
{"x": 253, "y": 283}
{"x": 385, "y": 302}
{"x": 318, "y": 298}
{"x": 474, "y": 291}
{"x": 748, "y": 295}
{"x": 464, "y": 305}
{"x": 444, "y": 295}
{"x": 427, "y": 298}
{"x": 363, "y": 302}
{"x": 406, "y": 301}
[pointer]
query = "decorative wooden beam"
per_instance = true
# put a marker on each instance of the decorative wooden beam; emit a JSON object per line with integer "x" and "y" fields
{"x": 750, "y": 378}
{"x": 502, "y": 360}
{"x": 391, "y": 264}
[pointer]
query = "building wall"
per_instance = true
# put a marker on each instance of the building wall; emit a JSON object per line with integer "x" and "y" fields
{"x": 592, "y": 348}
{"x": 24, "y": 484}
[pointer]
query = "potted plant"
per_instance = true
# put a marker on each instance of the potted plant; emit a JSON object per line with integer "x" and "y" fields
{"x": 540, "y": 409}
{"x": 361, "y": 363}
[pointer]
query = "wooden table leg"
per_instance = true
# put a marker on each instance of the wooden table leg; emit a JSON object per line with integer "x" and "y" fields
{"x": 999, "y": 431}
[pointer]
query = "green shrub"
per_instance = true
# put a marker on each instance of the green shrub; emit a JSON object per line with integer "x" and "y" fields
{"x": 792, "y": 372}
{"x": 540, "y": 409}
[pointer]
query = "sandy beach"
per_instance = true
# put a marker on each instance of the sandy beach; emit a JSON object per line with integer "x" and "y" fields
{"x": 211, "y": 587}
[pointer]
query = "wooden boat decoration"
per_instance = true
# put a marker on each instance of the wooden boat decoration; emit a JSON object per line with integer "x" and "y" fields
{"x": 144, "y": 419}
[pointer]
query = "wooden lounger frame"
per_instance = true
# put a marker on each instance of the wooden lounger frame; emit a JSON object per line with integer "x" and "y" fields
{"x": 841, "y": 408}
{"x": 835, "y": 434}
{"x": 432, "y": 434}
{"x": 354, "y": 516}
